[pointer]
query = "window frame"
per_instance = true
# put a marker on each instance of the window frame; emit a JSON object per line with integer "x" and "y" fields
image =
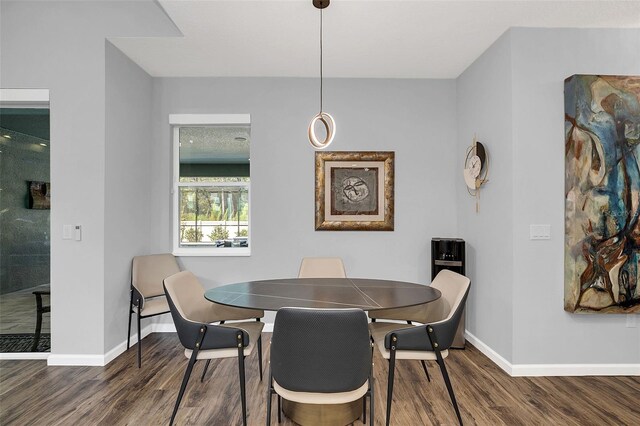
{"x": 176, "y": 121}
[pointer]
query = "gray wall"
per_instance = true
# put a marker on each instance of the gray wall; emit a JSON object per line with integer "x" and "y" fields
{"x": 127, "y": 182}
{"x": 512, "y": 97}
{"x": 61, "y": 46}
{"x": 414, "y": 118}
{"x": 541, "y": 60}
{"x": 484, "y": 105}
{"x": 24, "y": 232}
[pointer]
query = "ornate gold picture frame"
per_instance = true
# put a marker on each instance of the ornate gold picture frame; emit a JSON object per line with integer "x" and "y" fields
{"x": 354, "y": 191}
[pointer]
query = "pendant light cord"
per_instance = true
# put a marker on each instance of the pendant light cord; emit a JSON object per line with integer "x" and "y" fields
{"x": 321, "y": 60}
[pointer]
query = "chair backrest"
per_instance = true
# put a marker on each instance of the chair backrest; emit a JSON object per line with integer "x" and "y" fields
{"x": 455, "y": 289}
{"x": 322, "y": 267}
{"x": 320, "y": 350}
{"x": 147, "y": 273}
{"x": 187, "y": 294}
{"x": 190, "y": 311}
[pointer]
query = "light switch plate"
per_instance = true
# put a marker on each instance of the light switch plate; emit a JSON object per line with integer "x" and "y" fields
{"x": 540, "y": 232}
{"x": 68, "y": 232}
{"x": 631, "y": 320}
{"x": 78, "y": 233}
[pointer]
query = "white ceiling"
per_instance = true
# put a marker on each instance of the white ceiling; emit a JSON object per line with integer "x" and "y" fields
{"x": 362, "y": 38}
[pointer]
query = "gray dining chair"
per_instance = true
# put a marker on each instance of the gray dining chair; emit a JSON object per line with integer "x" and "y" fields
{"x": 321, "y": 356}
{"x": 322, "y": 267}
{"x": 147, "y": 294}
{"x": 430, "y": 341}
{"x": 193, "y": 316}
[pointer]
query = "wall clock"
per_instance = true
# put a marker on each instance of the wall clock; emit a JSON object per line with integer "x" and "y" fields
{"x": 476, "y": 169}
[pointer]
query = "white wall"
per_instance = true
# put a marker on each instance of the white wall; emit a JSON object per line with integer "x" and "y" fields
{"x": 543, "y": 332}
{"x": 127, "y": 183}
{"x": 484, "y": 104}
{"x": 61, "y": 46}
{"x": 414, "y": 118}
{"x": 512, "y": 97}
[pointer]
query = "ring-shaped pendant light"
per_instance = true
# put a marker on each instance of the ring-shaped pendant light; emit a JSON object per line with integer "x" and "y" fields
{"x": 330, "y": 129}
{"x": 325, "y": 118}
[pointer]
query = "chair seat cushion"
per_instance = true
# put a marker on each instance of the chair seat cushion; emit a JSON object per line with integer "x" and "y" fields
{"x": 380, "y": 329}
{"x": 321, "y": 398}
{"x": 253, "y": 328}
{"x": 154, "y": 306}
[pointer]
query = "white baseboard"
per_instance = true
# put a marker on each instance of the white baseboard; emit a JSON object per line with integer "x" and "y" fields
{"x": 494, "y": 356}
{"x": 76, "y": 360}
{"x": 102, "y": 360}
{"x": 530, "y": 370}
{"x": 24, "y": 355}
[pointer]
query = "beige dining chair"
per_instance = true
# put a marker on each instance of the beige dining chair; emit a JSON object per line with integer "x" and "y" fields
{"x": 147, "y": 294}
{"x": 430, "y": 341}
{"x": 193, "y": 316}
{"x": 321, "y": 356}
{"x": 322, "y": 267}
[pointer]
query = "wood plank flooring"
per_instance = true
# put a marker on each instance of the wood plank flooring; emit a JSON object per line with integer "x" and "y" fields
{"x": 121, "y": 394}
{"x": 18, "y": 312}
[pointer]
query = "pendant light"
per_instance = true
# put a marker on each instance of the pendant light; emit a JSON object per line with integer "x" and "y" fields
{"x": 324, "y": 117}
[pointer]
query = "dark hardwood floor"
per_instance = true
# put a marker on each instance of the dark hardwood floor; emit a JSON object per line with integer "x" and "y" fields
{"x": 121, "y": 394}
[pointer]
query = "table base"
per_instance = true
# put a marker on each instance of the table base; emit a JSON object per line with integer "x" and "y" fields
{"x": 322, "y": 414}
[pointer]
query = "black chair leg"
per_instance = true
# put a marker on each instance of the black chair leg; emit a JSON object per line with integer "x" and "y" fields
{"x": 279, "y": 409}
{"x": 185, "y": 380}
{"x": 139, "y": 340}
{"x": 39, "y": 312}
{"x": 392, "y": 366}
{"x": 260, "y": 355}
{"x": 364, "y": 409}
{"x": 130, "y": 312}
{"x": 445, "y": 375}
{"x": 269, "y": 397}
{"x": 243, "y": 397}
{"x": 206, "y": 366}
{"x": 371, "y": 411}
{"x": 424, "y": 366}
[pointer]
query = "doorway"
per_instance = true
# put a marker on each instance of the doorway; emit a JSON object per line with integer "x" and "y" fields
{"x": 25, "y": 202}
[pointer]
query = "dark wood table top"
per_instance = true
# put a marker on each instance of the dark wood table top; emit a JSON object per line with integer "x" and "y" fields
{"x": 366, "y": 294}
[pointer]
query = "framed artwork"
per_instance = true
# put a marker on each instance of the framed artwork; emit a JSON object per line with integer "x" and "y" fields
{"x": 602, "y": 193}
{"x": 39, "y": 195}
{"x": 354, "y": 191}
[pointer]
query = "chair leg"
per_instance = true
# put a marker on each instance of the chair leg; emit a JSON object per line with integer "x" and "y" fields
{"x": 364, "y": 409}
{"x": 371, "y": 411}
{"x": 130, "y": 312}
{"x": 185, "y": 380}
{"x": 260, "y": 355}
{"x": 279, "y": 409}
{"x": 424, "y": 366}
{"x": 206, "y": 366}
{"x": 139, "y": 340}
{"x": 39, "y": 312}
{"x": 269, "y": 397}
{"x": 434, "y": 344}
{"x": 445, "y": 375}
{"x": 243, "y": 397}
{"x": 392, "y": 366}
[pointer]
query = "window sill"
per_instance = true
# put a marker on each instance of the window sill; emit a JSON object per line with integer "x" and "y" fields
{"x": 212, "y": 252}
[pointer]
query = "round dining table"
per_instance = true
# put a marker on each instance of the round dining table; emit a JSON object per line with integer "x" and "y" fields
{"x": 364, "y": 293}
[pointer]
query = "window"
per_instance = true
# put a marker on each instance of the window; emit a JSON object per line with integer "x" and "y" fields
{"x": 211, "y": 184}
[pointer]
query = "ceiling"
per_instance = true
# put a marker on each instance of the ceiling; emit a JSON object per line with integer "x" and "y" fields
{"x": 214, "y": 144}
{"x": 362, "y": 38}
